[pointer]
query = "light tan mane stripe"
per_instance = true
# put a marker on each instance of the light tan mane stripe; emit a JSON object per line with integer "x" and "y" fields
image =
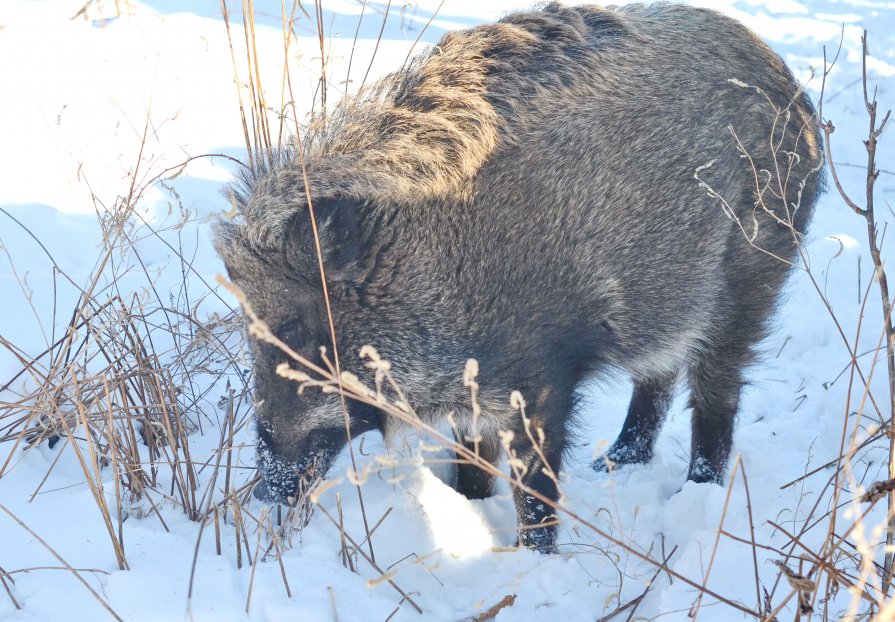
{"x": 421, "y": 133}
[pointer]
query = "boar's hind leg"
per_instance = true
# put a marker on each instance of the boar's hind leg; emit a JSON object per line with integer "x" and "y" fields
{"x": 473, "y": 482}
{"x": 646, "y": 412}
{"x": 715, "y": 382}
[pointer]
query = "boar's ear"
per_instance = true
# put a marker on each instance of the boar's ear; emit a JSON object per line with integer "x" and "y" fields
{"x": 338, "y": 224}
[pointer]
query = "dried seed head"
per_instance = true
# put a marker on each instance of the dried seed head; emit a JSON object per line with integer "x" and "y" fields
{"x": 470, "y": 373}
{"x": 284, "y": 371}
{"x": 375, "y": 361}
{"x": 369, "y": 352}
{"x": 259, "y": 330}
{"x": 385, "y": 460}
{"x": 797, "y": 581}
{"x": 353, "y": 383}
{"x": 325, "y": 485}
{"x": 517, "y": 465}
{"x": 506, "y": 437}
{"x": 359, "y": 478}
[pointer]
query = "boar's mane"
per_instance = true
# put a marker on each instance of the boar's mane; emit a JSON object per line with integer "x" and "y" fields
{"x": 421, "y": 133}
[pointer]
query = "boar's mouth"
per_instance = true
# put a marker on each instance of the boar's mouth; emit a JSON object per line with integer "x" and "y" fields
{"x": 289, "y": 482}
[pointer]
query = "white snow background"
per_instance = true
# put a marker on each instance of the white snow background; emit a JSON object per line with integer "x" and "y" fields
{"x": 127, "y": 90}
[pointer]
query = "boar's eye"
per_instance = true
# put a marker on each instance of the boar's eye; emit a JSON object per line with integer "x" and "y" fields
{"x": 304, "y": 336}
{"x": 291, "y": 333}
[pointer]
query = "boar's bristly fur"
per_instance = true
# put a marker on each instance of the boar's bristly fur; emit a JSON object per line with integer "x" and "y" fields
{"x": 526, "y": 194}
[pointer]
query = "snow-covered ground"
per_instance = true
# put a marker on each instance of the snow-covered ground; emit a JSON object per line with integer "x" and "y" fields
{"x": 79, "y": 98}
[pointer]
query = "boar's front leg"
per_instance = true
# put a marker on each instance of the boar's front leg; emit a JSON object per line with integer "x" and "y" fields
{"x": 473, "y": 482}
{"x": 537, "y": 519}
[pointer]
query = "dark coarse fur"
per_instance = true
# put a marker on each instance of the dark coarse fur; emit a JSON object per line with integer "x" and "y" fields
{"x": 525, "y": 194}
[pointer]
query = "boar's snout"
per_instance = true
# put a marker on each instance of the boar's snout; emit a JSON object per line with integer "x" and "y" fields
{"x": 288, "y": 475}
{"x": 279, "y": 481}
{"x": 289, "y": 482}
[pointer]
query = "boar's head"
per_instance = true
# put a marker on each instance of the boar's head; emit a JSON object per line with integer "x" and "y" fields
{"x": 275, "y": 263}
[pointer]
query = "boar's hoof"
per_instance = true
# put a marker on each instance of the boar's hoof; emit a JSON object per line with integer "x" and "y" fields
{"x": 541, "y": 539}
{"x": 703, "y": 471}
{"x": 621, "y": 454}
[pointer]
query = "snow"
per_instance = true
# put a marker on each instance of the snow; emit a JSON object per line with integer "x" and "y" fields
{"x": 79, "y": 98}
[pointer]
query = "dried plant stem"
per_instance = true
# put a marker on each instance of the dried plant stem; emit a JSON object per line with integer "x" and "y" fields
{"x": 343, "y": 549}
{"x": 275, "y": 540}
{"x": 332, "y": 601}
{"x": 360, "y": 20}
{"x": 369, "y": 559}
{"x": 318, "y": 13}
{"x": 422, "y": 32}
{"x": 242, "y": 113}
{"x": 94, "y": 482}
{"x": 388, "y": 8}
{"x": 329, "y": 316}
{"x": 3, "y": 577}
{"x": 288, "y": 25}
{"x": 63, "y": 562}
{"x": 375, "y": 527}
{"x": 752, "y": 536}
{"x": 868, "y": 213}
{"x": 694, "y": 610}
{"x": 259, "y": 532}
{"x": 631, "y": 606}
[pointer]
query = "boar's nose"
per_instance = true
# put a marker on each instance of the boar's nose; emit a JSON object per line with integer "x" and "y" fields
{"x": 261, "y": 491}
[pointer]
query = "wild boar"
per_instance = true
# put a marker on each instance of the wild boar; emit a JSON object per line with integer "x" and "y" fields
{"x": 567, "y": 192}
